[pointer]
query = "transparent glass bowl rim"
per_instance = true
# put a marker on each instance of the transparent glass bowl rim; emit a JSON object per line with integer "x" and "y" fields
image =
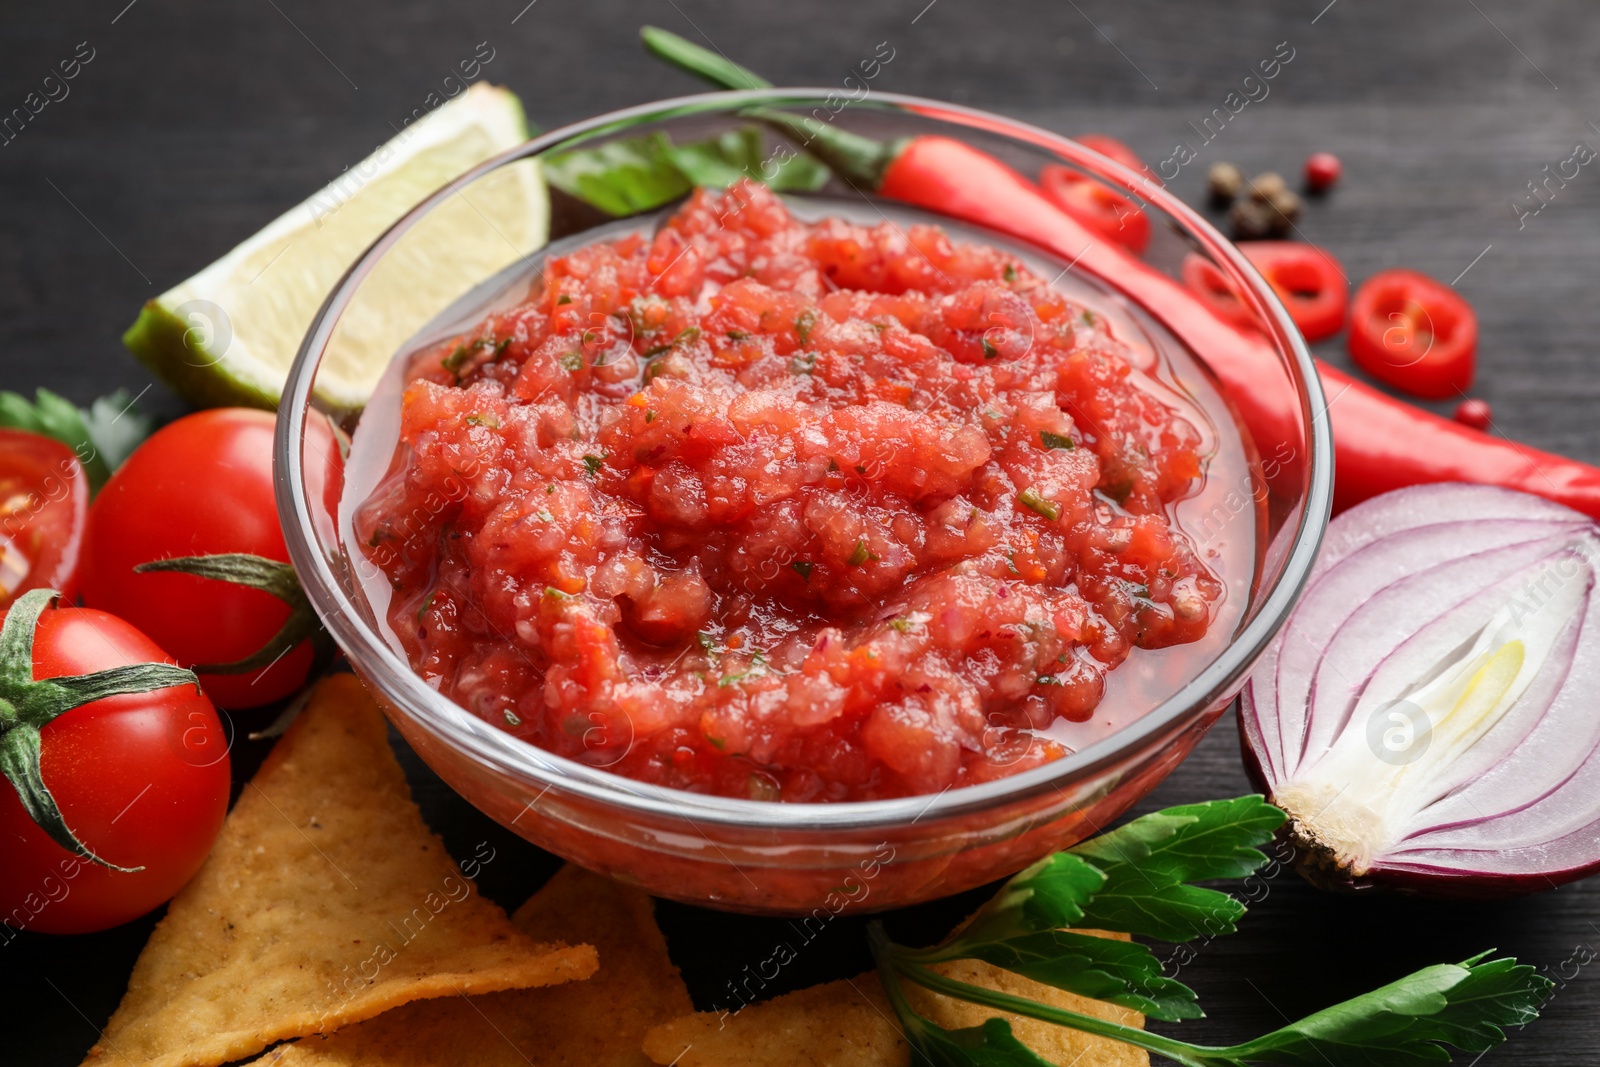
{"x": 510, "y": 756}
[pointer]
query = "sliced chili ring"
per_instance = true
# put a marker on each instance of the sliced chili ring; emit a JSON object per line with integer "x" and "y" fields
{"x": 1097, "y": 206}
{"x": 1308, "y": 280}
{"x": 1414, "y": 333}
{"x": 1214, "y": 289}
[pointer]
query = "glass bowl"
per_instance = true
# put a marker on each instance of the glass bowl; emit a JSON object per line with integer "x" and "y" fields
{"x": 793, "y": 858}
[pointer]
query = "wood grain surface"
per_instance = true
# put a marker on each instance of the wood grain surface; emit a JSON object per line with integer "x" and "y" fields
{"x": 194, "y": 123}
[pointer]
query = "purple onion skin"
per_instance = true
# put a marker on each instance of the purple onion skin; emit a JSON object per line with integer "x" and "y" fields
{"x": 1439, "y": 885}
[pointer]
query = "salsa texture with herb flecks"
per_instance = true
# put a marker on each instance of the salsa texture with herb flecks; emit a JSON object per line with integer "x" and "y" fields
{"x": 773, "y": 509}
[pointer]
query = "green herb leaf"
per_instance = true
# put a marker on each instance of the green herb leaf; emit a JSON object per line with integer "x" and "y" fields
{"x": 990, "y": 1045}
{"x": 1148, "y": 861}
{"x": 1191, "y": 843}
{"x": 116, "y": 427}
{"x": 1056, "y": 440}
{"x": 1467, "y": 1005}
{"x": 621, "y": 177}
{"x": 642, "y": 173}
{"x": 1033, "y": 501}
{"x": 1120, "y": 972}
{"x": 717, "y": 69}
{"x": 1047, "y": 896}
{"x": 1406, "y": 1023}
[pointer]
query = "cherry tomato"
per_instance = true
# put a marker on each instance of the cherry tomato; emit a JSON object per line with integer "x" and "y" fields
{"x": 1322, "y": 171}
{"x": 1414, "y": 333}
{"x": 1475, "y": 413}
{"x": 1308, "y": 281}
{"x": 44, "y": 497}
{"x": 1097, "y": 206}
{"x": 141, "y": 779}
{"x": 202, "y": 485}
{"x": 1112, "y": 148}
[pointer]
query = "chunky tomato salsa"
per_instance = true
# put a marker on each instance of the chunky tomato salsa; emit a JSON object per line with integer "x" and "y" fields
{"x": 809, "y": 511}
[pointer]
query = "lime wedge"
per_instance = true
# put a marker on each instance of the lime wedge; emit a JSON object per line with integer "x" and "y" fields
{"x": 228, "y": 334}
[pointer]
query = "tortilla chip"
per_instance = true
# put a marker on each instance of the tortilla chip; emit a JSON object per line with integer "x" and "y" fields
{"x": 601, "y": 1021}
{"x": 852, "y": 1023}
{"x": 325, "y": 901}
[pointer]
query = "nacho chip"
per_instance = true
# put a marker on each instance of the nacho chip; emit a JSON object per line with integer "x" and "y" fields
{"x": 852, "y": 1023}
{"x": 325, "y": 901}
{"x": 599, "y": 1022}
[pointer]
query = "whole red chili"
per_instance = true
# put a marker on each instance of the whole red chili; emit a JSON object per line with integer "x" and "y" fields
{"x": 1380, "y": 443}
{"x": 1098, "y": 206}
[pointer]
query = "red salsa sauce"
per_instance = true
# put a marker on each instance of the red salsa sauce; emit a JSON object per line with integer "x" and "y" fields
{"x": 808, "y": 511}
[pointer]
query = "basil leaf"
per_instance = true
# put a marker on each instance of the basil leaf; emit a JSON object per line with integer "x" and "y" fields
{"x": 1467, "y": 1005}
{"x": 1120, "y": 972}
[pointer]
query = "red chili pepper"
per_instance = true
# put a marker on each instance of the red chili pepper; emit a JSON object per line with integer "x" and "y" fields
{"x": 1414, "y": 333}
{"x": 1383, "y": 444}
{"x": 1380, "y": 443}
{"x": 1098, "y": 206}
{"x": 1307, "y": 279}
{"x": 1112, "y": 149}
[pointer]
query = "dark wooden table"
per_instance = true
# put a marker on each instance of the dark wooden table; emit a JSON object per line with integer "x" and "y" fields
{"x": 195, "y": 123}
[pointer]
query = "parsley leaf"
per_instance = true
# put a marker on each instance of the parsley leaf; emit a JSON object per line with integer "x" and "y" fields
{"x": 1465, "y": 1004}
{"x": 639, "y": 174}
{"x": 1148, "y": 861}
{"x": 1119, "y": 972}
{"x": 1135, "y": 878}
{"x": 1050, "y": 894}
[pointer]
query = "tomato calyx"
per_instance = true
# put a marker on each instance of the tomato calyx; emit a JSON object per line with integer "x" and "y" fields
{"x": 272, "y": 577}
{"x": 27, "y": 705}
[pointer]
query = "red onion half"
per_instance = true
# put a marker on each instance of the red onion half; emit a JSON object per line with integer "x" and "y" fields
{"x": 1430, "y": 715}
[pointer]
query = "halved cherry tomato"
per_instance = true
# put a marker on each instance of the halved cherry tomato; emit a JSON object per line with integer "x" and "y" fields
{"x": 1111, "y": 148}
{"x": 1414, "y": 333}
{"x": 1098, "y": 207}
{"x": 44, "y": 497}
{"x": 1308, "y": 280}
